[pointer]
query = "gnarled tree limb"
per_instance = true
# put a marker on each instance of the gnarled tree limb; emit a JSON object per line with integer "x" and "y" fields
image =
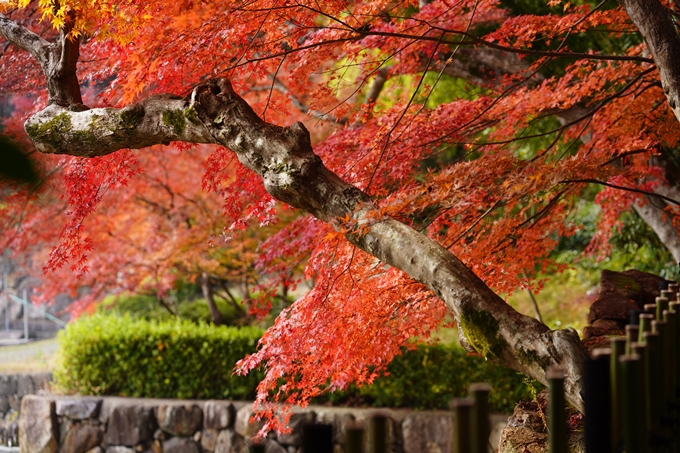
{"x": 25, "y": 39}
{"x": 658, "y": 213}
{"x": 101, "y": 131}
{"x": 658, "y": 31}
{"x": 58, "y": 60}
{"x": 292, "y": 173}
{"x": 283, "y": 157}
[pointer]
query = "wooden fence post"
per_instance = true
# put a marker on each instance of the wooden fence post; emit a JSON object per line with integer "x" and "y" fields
{"x": 632, "y": 335}
{"x": 646, "y": 381}
{"x": 317, "y": 438}
{"x": 617, "y": 347}
{"x": 354, "y": 439}
{"x": 481, "y": 428}
{"x": 378, "y": 433}
{"x": 462, "y": 440}
{"x": 645, "y": 325}
{"x": 557, "y": 418}
{"x": 257, "y": 447}
{"x": 597, "y": 402}
{"x": 635, "y": 437}
{"x": 652, "y": 340}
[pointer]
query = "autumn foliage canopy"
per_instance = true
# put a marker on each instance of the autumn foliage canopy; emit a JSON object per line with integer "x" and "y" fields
{"x": 476, "y": 122}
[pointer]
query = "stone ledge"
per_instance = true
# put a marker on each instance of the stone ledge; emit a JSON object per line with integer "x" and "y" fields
{"x": 116, "y": 425}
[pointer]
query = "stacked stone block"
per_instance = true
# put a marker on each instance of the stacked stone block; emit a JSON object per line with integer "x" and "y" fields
{"x": 56, "y": 424}
{"x": 13, "y": 388}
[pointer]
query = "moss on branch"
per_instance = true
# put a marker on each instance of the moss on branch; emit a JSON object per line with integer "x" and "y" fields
{"x": 481, "y": 331}
{"x": 176, "y": 120}
{"x": 51, "y": 132}
{"x": 131, "y": 118}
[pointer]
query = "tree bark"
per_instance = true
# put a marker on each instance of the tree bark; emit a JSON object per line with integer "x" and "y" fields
{"x": 482, "y": 65}
{"x": 292, "y": 173}
{"x": 652, "y": 211}
{"x": 660, "y": 215}
{"x": 215, "y": 314}
{"x": 58, "y": 60}
{"x": 658, "y": 31}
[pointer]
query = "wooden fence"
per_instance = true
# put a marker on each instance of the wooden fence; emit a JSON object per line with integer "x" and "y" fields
{"x": 631, "y": 397}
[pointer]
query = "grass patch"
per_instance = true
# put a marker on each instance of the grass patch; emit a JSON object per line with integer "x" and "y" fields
{"x": 29, "y": 358}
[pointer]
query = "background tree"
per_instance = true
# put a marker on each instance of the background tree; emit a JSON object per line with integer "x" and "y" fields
{"x": 452, "y": 197}
{"x": 162, "y": 231}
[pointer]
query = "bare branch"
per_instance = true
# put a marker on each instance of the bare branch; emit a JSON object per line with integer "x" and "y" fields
{"x": 298, "y": 104}
{"x": 627, "y": 189}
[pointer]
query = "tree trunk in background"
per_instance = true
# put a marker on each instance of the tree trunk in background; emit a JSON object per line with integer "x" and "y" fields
{"x": 660, "y": 215}
{"x": 215, "y": 314}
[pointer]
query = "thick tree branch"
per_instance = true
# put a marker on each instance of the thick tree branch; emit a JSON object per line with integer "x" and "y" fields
{"x": 655, "y": 24}
{"x": 659, "y": 214}
{"x": 656, "y": 27}
{"x": 62, "y": 82}
{"x": 207, "y": 290}
{"x": 660, "y": 220}
{"x": 25, "y": 39}
{"x": 58, "y": 60}
{"x": 377, "y": 86}
{"x": 291, "y": 172}
{"x": 484, "y": 64}
{"x": 96, "y": 132}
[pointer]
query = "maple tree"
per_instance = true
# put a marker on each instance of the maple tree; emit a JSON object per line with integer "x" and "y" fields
{"x": 164, "y": 232}
{"x": 412, "y": 202}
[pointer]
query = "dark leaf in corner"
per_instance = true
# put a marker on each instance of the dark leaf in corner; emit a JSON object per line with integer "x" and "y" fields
{"x": 15, "y": 165}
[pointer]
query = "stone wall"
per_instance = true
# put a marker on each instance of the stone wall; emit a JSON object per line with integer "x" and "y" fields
{"x": 13, "y": 388}
{"x": 56, "y": 424}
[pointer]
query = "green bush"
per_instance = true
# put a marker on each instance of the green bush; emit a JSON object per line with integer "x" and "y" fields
{"x": 430, "y": 376}
{"x": 118, "y": 355}
{"x": 140, "y": 306}
{"x": 108, "y": 354}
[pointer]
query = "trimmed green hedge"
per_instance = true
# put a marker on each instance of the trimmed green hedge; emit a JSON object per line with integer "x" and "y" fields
{"x": 114, "y": 355}
{"x": 118, "y": 355}
{"x": 139, "y": 306}
{"x": 429, "y": 377}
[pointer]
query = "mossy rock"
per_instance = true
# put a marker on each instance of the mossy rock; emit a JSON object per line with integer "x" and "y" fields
{"x": 621, "y": 292}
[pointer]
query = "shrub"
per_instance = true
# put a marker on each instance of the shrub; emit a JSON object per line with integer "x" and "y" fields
{"x": 108, "y": 354}
{"x": 118, "y": 355}
{"x": 430, "y": 376}
{"x": 140, "y": 306}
